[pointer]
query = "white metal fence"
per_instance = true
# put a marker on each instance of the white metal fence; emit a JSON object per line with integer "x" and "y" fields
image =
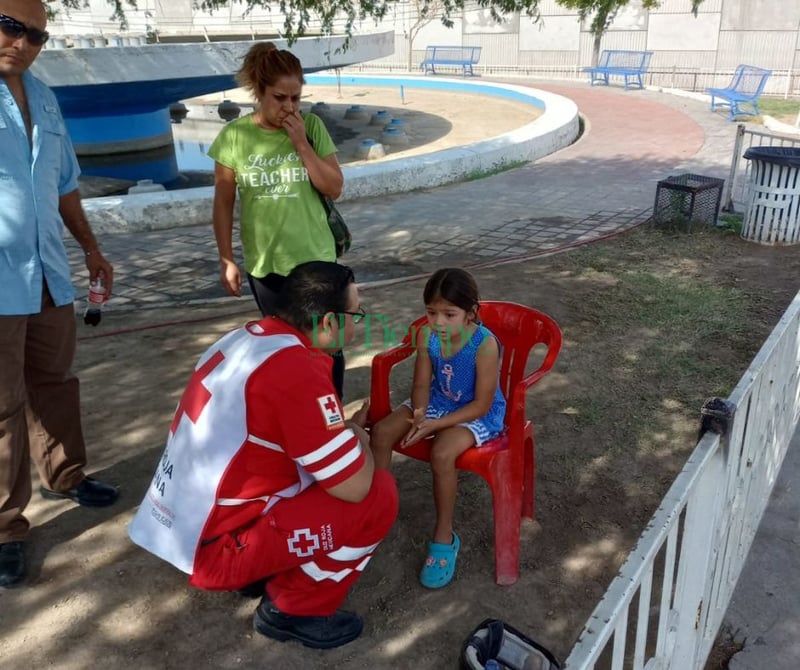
{"x": 663, "y": 610}
{"x": 735, "y": 189}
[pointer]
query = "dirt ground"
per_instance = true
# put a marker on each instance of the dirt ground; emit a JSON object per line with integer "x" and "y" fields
{"x": 653, "y": 324}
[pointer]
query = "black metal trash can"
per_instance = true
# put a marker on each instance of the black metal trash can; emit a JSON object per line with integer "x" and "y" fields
{"x": 688, "y": 199}
{"x": 772, "y": 215}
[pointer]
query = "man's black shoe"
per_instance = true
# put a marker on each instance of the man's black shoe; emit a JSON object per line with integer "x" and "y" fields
{"x": 12, "y": 564}
{"x": 89, "y": 493}
{"x": 319, "y": 632}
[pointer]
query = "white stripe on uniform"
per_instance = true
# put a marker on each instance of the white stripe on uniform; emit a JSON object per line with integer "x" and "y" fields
{"x": 339, "y": 464}
{"x": 351, "y": 553}
{"x": 264, "y": 443}
{"x": 326, "y": 449}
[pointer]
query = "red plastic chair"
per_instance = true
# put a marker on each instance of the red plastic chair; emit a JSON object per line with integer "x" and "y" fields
{"x": 507, "y": 463}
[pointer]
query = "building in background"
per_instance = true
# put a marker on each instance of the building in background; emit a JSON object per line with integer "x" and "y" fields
{"x": 689, "y": 52}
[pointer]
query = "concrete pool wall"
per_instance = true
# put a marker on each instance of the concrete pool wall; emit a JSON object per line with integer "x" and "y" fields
{"x": 555, "y": 129}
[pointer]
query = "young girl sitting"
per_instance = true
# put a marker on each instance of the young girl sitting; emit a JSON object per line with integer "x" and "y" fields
{"x": 455, "y": 398}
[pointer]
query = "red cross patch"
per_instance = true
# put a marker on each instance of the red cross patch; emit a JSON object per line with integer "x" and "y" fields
{"x": 331, "y": 413}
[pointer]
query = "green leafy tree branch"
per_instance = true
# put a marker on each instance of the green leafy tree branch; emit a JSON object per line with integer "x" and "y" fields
{"x": 302, "y": 16}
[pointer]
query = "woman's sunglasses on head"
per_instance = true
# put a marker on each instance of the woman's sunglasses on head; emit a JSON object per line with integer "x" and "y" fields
{"x": 14, "y": 29}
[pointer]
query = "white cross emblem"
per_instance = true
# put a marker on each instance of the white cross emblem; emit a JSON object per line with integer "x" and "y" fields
{"x": 303, "y": 542}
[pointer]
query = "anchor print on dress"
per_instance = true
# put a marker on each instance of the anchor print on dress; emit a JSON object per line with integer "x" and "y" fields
{"x": 449, "y": 373}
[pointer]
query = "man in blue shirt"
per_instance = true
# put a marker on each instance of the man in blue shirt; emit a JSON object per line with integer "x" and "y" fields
{"x": 39, "y": 397}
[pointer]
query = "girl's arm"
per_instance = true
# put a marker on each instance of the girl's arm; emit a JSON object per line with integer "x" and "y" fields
{"x": 222, "y": 215}
{"x": 423, "y": 374}
{"x": 420, "y": 388}
{"x": 487, "y": 365}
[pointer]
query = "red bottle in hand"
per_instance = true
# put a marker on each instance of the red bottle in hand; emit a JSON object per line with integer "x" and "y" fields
{"x": 95, "y": 300}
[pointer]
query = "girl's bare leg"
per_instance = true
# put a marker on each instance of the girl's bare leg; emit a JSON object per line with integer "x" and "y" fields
{"x": 447, "y": 447}
{"x": 387, "y": 433}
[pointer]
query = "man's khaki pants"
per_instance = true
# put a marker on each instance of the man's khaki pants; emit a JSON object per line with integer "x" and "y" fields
{"x": 39, "y": 410}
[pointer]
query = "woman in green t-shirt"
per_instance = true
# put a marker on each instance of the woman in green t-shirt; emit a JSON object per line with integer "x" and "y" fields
{"x": 277, "y": 160}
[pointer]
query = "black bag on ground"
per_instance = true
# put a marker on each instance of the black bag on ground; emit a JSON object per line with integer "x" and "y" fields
{"x": 494, "y": 639}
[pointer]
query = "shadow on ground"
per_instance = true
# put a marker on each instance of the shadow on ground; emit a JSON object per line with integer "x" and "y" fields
{"x": 653, "y": 323}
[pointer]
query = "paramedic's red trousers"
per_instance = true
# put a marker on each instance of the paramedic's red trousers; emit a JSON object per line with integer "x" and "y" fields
{"x": 313, "y": 547}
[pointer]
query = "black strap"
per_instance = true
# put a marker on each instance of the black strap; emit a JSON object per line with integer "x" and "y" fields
{"x": 489, "y": 646}
{"x": 319, "y": 193}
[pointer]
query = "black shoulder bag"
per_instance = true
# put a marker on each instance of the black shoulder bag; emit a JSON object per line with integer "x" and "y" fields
{"x": 341, "y": 234}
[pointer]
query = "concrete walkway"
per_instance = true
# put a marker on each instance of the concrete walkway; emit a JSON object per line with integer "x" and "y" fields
{"x": 764, "y": 612}
{"x": 601, "y": 185}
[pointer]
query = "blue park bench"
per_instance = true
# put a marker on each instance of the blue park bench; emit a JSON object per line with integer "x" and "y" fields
{"x": 747, "y": 84}
{"x": 452, "y": 56}
{"x": 628, "y": 64}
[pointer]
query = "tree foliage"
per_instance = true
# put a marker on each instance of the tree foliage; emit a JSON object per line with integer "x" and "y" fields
{"x": 117, "y": 6}
{"x": 603, "y": 13}
{"x": 301, "y": 16}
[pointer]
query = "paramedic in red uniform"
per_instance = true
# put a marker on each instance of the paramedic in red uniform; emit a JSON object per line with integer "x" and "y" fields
{"x": 262, "y": 478}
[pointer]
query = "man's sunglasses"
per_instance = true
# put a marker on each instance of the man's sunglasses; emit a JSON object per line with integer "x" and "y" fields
{"x": 16, "y": 29}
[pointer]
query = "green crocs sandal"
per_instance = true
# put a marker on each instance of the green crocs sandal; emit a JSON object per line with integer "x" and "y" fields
{"x": 440, "y": 565}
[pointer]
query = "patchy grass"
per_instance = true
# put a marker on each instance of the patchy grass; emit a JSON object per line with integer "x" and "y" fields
{"x": 655, "y": 322}
{"x": 785, "y": 111}
{"x": 659, "y": 316}
{"x": 778, "y": 107}
{"x": 482, "y": 174}
{"x": 731, "y": 222}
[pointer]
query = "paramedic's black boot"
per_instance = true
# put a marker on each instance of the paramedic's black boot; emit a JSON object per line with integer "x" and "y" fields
{"x": 319, "y": 632}
{"x": 12, "y": 564}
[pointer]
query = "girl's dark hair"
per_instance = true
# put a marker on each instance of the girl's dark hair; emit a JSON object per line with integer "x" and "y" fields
{"x": 454, "y": 285}
{"x": 264, "y": 64}
{"x": 310, "y": 291}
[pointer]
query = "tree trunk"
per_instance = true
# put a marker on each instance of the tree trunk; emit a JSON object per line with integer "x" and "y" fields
{"x": 599, "y": 26}
{"x": 596, "y": 48}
